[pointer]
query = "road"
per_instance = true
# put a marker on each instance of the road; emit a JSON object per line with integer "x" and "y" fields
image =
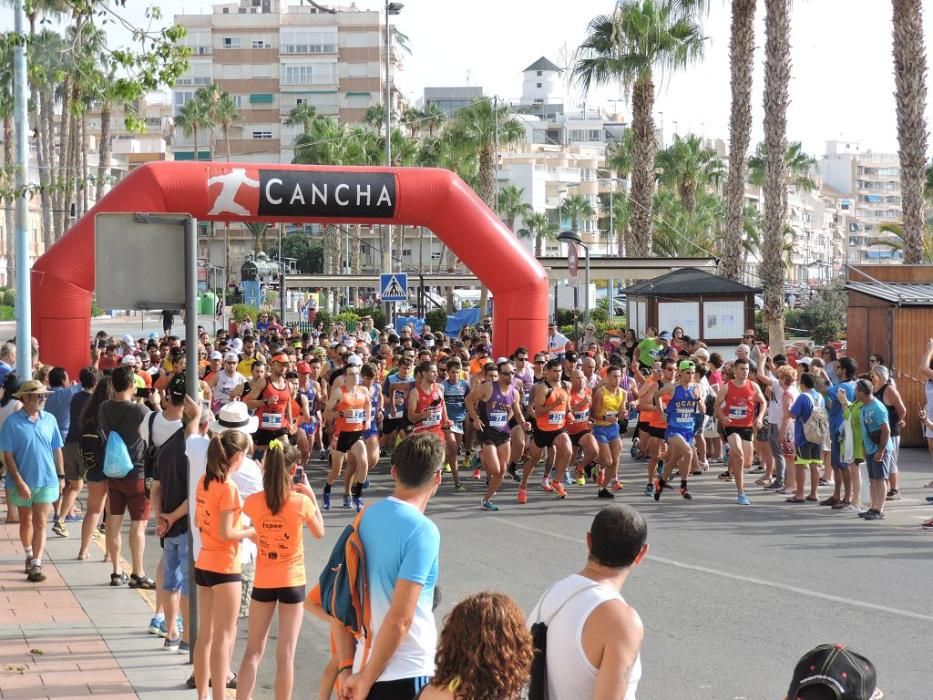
{"x": 730, "y": 596}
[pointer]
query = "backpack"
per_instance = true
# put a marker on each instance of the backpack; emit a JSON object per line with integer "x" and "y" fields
{"x": 344, "y": 586}
{"x": 537, "y": 684}
{"x": 816, "y": 427}
{"x": 91, "y": 446}
{"x": 117, "y": 461}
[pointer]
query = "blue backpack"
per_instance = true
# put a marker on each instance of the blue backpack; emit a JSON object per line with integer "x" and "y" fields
{"x": 117, "y": 461}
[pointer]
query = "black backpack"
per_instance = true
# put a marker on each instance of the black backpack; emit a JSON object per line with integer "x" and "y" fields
{"x": 537, "y": 684}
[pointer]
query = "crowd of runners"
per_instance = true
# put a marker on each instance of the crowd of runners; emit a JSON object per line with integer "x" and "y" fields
{"x": 275, "y": 402}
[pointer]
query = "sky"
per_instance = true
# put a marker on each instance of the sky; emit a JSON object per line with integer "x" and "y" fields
{"x": 842, "y": 82}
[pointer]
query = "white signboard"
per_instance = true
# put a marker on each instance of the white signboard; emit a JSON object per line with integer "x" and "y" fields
{"x": 723, "y": 319}
{"x": 685, "y": 314}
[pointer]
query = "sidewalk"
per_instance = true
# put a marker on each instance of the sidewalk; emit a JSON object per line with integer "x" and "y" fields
{"x": 75, "y": 636}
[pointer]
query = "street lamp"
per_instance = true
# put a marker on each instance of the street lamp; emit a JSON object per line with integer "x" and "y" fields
{"x": 392, "y": 8}
{"x": 573, "y": 238}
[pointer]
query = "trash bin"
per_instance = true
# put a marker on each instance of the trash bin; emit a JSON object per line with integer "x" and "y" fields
{"x": 207, "y": 302}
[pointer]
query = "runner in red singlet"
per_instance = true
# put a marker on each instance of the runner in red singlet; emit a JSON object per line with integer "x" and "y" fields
{"x": 736, "y": 405}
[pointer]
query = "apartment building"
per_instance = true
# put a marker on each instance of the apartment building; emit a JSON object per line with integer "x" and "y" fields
{"x": 870, "y": 184}
{"x": 130, "y": 149}
{"x": 272, "y": 56}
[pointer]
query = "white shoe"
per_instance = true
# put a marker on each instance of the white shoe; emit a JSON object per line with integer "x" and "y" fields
{"x": 850, "y": 508}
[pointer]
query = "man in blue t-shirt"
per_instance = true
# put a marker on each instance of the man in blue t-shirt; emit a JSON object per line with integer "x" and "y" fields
{"x": 846, "y": 369}
{"x": 808, "y": 454}
{"x": 402, "y": 547}
{"x": 879, "y": 448}
{"x": 32, "y": 449}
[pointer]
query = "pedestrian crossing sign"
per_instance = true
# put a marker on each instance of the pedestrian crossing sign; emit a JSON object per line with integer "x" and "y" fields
{"x": 393, "y": 286}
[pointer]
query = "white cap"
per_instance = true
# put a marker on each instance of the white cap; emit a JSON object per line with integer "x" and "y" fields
{"x": 742, "y": 348}
{"x": 232, "y": 357}
{"x": 216, "y": 356}
{"x": 354, "y": 360}
{"x": 127, "y": 340}
{"x": 128, "y": 359}
{"x": 804, "y": 360}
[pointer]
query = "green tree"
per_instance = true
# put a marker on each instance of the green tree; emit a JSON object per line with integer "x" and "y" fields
{"x": 627, "y": 47}
{"x": 577, "y": 208}
{"x": 433, "y": 118}
{"x": 258, "y": 230}
{"x": 512, "y": 206}
{"x": 411, "y": 119}
{"x": 899, "y": 241}
{"x": 192, "y": 118}
{"x": 224, "y": 114}
{"x": 614, "y": 222}
{"x": 741, "y": 63}
{"x": 540, "y": 228}
{"x": 375, "y": 117}
{"x": 301, "y": 115}
{"x": 686, "y": 167}
{"x": 910, "y": 68}
{"x": 796, "y": 162}
{"x": 307, "y": 251}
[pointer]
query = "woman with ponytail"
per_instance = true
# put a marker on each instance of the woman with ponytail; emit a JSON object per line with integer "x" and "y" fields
{"x": 217, "y": 569}
{"x": 278, "y": 514}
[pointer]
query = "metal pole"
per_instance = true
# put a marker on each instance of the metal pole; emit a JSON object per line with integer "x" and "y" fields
{"x": 586, "y": 291}
{"x": 21, "y": 121}
{"x": 223, "y": 292}
{"x": 283, "y": 307}
{"x": 193, "y": 390}
{"x": 387, "y": 264}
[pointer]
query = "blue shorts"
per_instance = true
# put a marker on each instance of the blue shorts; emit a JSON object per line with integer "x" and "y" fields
{"x": 605, "y": 434}
{"x": 372, "y": 432}
{"x": 671, "y": 431}
{"x": 175, "y": 563}
{"x": 40, "y": 495}
{"x": 309, "y": 428}
{"x": 835, "y": 452}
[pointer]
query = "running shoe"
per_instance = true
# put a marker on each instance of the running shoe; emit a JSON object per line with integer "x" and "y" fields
{"x": 929, "y": 499}
{"x": 447, "y": 467}
{"x": 459, "y": 488}
{"x": 74, "y": 518}
{"x": 874, "y": 515}
{"x": 327, "y": 500}
{"x": 616, "y": 485}
{"x": 568, "y": 480}
{"x": 775, "y": 486}
{"x": 893, "y": 495}
{"x": 35, "y": 574}
{"x": 927, "y": 524}
{"x": 477, "y": 474}
{"x": 605, "y": 493}
{"x": 346, "y": 501}
{"x": 512, "y": 469}
{"x": 634, "y": 451}
{"x": 488, "y": 505}
{"x": 157, "y": 626}
{"x": 98, "y": 534}
{"x": 649, "y": 489}
{"x": 523, "y": 495}
{"x": 725, "y": 476}
{"x": 546, "y": 484}
{"x": 358, "y": 503}
{"x": 588, "y": 470}
{"x": 685, "y": 493}
{"x": 171, "y": 644}
{"x": 659, "y": 484}
{"x": 322, "y": 454}
{"x": 184, "y": 647}
{"x": 580, "y": 480}
{"x": 60, "y": 529}
{"x": 559, "y": 489}
{"x": 826, "y": 482}
{"x": 742, "y": 500}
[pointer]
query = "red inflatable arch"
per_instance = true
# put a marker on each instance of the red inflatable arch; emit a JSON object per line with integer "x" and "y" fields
{"x": 63, "y": 278}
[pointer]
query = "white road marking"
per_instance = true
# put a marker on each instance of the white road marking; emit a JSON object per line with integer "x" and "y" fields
{"x": 865, "y": 605}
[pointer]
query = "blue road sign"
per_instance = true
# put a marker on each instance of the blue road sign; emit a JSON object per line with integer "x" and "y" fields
{"x": 393, "y": 286}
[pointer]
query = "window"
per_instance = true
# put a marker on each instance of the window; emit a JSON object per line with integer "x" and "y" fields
{"x": 261, "y": 99}
{"x": 539, "y": 74}
{"x": 309, "y": 74}
{"x": 261, "y": 44}
{"x": 357, "y": 70}
{"x": 238, "y": 101}
{"x": 262, "y": 134}
{"x": 199, "y": 73}
{"x": 231, "y": 42}
{"x": 359, "y": 100}
{"x": 539, "y": 85}
{"x": 263, "y": 70}
{"x": 323, "y": 40}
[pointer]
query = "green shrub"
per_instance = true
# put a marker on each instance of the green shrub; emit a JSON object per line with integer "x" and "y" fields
{"x": 567, "y": 330}
{"x": 600, "y": 313}
{"x": 7, "y": 297}
{"x": 437, "y": 319}
{"x": 7, "y": 313}
{"x": 377, "y": 314}
{"x": 240, "y": 311}
{"x": 325, "y": 318}
{"x": 348, "y": 318}
{"x": 565, "y": 317}
{"x": 95, "y": 309}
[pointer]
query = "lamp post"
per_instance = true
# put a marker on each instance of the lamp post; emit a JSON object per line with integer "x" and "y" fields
{"x": 573, "y": 238}
{"x": 392, "y": 8}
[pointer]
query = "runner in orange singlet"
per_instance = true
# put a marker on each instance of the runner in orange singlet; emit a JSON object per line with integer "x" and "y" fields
{"x": 427, "y": 411}
{"x": 350, "y": 407}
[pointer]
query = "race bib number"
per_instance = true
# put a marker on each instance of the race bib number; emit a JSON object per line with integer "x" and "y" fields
{"x": 433, "y": 418}
{"x": 354, "y": 416}
{"x": 581, "y": 416}
{"x": 271, "y": 421}
{"x": 498, "y": 420}
{"x": 456, "y": 428}
{"x": 685, "y": 415}
{"x": 611, "y": 415}
{"x": 556, "y": 417}
{"x": 737, "y": 413}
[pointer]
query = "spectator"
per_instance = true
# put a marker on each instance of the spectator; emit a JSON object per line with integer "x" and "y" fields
{"x": 581, "y": 656}
{"x": 876, "y": 436}
{"x": 556, "y": 341}
{"x": 833, "y": 671}
{"x": 887, "y": 393}
{"x": 926, "y": 373}
{"x": 402, "y": 547}
{"x": 9, "y": 405}
{"x": 484, "y": 651}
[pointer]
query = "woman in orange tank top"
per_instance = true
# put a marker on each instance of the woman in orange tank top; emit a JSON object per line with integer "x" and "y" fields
{"x": 217, "y": 569}
{"x": 279, "y": 513}
{"x": 350, "y": 407}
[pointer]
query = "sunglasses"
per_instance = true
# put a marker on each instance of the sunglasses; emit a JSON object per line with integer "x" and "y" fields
{"x": 539, "y": 362}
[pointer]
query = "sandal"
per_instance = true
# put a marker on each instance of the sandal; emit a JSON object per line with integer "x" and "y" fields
{"x": 118, "y": 579}
{"x": 794, "y": 499}
{"x": 142, "y": 582}
{"x": 812, "y": 498}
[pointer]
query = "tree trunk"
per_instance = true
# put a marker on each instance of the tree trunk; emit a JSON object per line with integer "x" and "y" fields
{"x": 777, "y": 78}
{"x": 40, "y": 114}
{"x": 356, "y": 249}
{"x": 85, "y": 171}
{"x": 72, "y": 169}
{"x": 104, "y": 150}
{"x": 227, "y": 140}
{"x": 10, "y": 201}
{"x": 643, "y": 147}
{"x": 539, "y": 245}
{"x": 742, "y": 58}
{"x": 911, "y": 94}
{"x": 58, "y": 192}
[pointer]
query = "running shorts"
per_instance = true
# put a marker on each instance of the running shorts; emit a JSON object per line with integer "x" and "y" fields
{"x": 290, "y": 595}
{"x": 346, "y": 440}
{"x": 605, "y": 434}
{"x": 575, "y": 437}
{"x": 209, "y": 579}
{"x": 494, "y": 437}
{"x": 809, "y": 453}
{"x": 545, "y": 438}
{"x": 744, "y": 433}
{"x": 686, "y": 435}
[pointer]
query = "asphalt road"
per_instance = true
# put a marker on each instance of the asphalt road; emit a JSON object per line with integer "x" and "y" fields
{"x": 730, "y": 596}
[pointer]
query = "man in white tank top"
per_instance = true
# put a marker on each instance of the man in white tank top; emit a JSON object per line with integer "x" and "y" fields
{"x": 594, "y": 636}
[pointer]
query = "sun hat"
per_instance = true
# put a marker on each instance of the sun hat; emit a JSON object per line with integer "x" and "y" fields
{"x": 665, "y": 335}
{"x": 234, "y": 416}
{"x": 279, "y": 357}
{"x": 216, "y": 355}
{"x": 127, "y": 339}
{"x": 701, "y": 354}
{"x": 33, "y": 386}
{"x": 804, "y": 360}
{"x": 303, "y": 368}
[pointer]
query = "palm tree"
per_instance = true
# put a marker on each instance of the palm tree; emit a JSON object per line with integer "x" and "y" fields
{"x": 482, "y": 127}
{"x": 223, "y": 114}
{"x": 512, "y": 206}
{"x": 741, "y": 62}
{"x": 910, "y": 68}
{"x": 433, "y": 118}
{"x": 411, "y": 118}
{"x": 899, "y": 242}
{"x": 616, "y": 220}
{"x": 191, "y": 118}
{"x": 687, "y": 167}
{"x": 258, "y": 230}
{"x": 577, "y": 207}
{"x": 777, "y": 78}
{"x": 627, "y": 47}
{"x": 375, "y": 117}
{"x": 796, "y": 162}
{"x": 301, "y": 115}
{"x": 539, "y": 227}
{"x": 7, "y": 183}
{"x": 619, "y": 155}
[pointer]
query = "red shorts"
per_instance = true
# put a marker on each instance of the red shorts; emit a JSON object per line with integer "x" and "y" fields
{"x": 128, "y": 492}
